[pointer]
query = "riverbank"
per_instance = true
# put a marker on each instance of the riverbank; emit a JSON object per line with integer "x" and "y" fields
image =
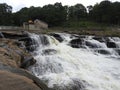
{"x": 14, "y": 61}
{"x": 97, "y": 31}
{"x": 108, "y": 31}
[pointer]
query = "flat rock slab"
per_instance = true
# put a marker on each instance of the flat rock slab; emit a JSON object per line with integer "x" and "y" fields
{"x": 11, "y": 81}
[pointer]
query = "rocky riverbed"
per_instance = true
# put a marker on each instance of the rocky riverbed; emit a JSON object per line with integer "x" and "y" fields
{"x": 14, "y": 61}
{"x": 60, "y": 61}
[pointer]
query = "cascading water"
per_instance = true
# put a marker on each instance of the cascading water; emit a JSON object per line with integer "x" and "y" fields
{"x": 93, "y": 65}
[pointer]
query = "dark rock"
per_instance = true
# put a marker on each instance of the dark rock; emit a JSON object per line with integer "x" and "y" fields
{"x": 25, "y": 39}
{"x": 102, "y": 51}
{"x": 49, "y": 52}
{"x": 1, "y": 35}
{"x": 12, "y": 76}
{"x": 76, "y": 43}
{"x": 100, "y": 39}
{"x": 77, "y": 36}
{"x": 57, "y": 36}
{"x": 107, "y": 39}
{"x": 13, "y": 36}
{"x": 76, "y": 85}
{"x": 44, "y": 40}
{"x": 29, "y": 43}
{"x": 111, "y": 45}
{"x": 27, "y": 61}
{"x": 13, "y": 55}
{"x": 19, "y": 44}
{"x": 91, "y": 45}
{"x": 118, "y": 51}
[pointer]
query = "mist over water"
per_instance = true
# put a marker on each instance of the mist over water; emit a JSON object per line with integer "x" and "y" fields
{"x": 77, "y": 62}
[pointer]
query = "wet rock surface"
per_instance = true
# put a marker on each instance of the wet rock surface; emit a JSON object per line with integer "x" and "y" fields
{"x": 57, "y": 36}
{"x": 101, "y": 44}
{"x": 103, "y": 51}
{"x": 12, "y": 54}
{"x": 111, "y": 45}
{"x": 91, "y": 44}
{"x": 25, "y": 73}
{"x": 100, "y": 39}
{"x": 14, "y": 61}
{"x": 49, "y": 52}
{"x": 76, "y": 43}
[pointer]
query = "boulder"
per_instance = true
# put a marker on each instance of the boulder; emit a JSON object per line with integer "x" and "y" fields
{"x": 11, "y": 81}
{"x": 13, "y": 61}
{"x": 98, "y": 38}
{"x": 13, "y": 35}
{"x": 57, "y": 36}
{"x": 118, "y": 51}
{"x": 9, "y": 58}
{"x": 91, "y": 45}
{"x": 76, "y": 85}
{"x": 105, "y": 52}
{"x": 111, "y": 44}
{"x": 24, "y": 73}
{"x": 44, "y": 40}
{"x": 29, "y": 44}
{"x": 49, "y": 52}
{"x": 32, "y": 44}
{"x": 27, "y": 61}
{"x": 76, "y": 43}
{"x": 14, "y": 55}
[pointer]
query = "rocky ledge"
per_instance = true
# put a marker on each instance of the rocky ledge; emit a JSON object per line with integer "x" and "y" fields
{"x": 14, "y": 59}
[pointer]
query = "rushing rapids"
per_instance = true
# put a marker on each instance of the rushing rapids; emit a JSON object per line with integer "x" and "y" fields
{"x": 74, "y": 62}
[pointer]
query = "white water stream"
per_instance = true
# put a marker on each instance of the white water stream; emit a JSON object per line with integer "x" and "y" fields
{"x": 65, "y": 68}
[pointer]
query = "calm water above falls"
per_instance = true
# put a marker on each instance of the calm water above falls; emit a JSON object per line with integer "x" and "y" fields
{"x": 77, "y": 62}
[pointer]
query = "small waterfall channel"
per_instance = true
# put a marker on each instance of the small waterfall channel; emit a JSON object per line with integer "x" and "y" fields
{"x": 77, "y": 62}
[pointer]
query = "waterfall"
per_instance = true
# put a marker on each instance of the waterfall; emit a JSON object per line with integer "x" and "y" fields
{"x": 77, "y": 62}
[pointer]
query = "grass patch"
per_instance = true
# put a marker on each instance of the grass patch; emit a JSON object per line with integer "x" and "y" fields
{"x": 84, "y": 28}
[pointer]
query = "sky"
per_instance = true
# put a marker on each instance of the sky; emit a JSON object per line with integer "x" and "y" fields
{"x": 18, "y": 4}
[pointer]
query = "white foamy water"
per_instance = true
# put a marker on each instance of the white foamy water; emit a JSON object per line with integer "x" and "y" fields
{"x": 65, "y": 68}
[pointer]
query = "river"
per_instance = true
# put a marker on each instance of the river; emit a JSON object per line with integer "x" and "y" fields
{"x": 77, "y": 62}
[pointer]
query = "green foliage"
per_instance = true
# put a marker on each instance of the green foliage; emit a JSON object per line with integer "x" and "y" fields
{"x": 106, "y": 12}
{"x": 68, "y": 16}
{"x": 77, "y": 12}
{"x": 85, "y": 24}
{"x": 55, "y": 14}
{"x": 5, "y": 14}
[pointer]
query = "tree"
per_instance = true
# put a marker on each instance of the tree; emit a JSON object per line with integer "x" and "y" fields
{"x": 103, "y": 12}
{"x": 23, "y": 15}
{"x": 77, "y": 12}
{"x": 55, "y": 14}
{"x": 116, "y": 13}
{"x": 5, "y": 14}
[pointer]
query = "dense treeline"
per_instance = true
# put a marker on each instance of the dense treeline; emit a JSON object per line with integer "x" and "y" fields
{"x": 5, "y": 14}
{"x": 105, "y": 12}
{"x": 57, "y": 14}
